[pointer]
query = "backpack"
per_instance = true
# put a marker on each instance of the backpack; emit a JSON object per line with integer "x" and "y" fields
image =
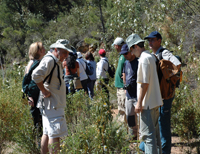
{"x": 168, "y": 75}
{"x": 111, "y": 70}
{"x": 29, "y": 87}
{"x": 89, "y": 68}
{"x": 180, "y": 73}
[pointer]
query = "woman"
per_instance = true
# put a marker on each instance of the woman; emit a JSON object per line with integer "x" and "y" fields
{"x": 91, "y": 78}
{"x": 36, "y": 53}
{"x": 71, "y": 70}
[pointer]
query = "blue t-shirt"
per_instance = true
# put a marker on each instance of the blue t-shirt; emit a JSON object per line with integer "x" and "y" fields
{"x": 130, "y": 70}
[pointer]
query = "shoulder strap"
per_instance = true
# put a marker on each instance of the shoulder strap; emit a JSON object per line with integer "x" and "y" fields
{"x": 160, "y": 53}
{"x": 33, "y": 66}
{"x": 107, "y": 62}
{"x": 51, "y": 73}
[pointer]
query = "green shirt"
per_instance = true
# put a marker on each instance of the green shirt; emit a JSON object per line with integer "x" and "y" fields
{"x": 118, "y": 74}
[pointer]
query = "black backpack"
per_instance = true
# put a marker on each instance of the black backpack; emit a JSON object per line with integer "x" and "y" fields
{"x": 29, "y": 87}
{"x": 111, "y": 70}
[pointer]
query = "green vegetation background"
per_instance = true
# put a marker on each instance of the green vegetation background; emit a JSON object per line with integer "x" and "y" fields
{"x": 91, "y": 125}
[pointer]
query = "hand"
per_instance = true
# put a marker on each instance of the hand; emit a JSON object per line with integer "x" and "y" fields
{"x": 138, "y": 108}
{"x": 31, "y": 101}
{"x": 46, "y": 93}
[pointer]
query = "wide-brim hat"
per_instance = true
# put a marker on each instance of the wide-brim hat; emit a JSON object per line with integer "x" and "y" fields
{"x": 133, "y": 39}
{"x": 62, "y": 44}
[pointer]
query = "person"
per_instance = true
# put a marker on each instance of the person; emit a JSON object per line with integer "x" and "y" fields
{"x": 36, "y": 53}
{"x": 101, "y": 71}
{"x": 71, "y": 68}
{"x": 121, "y": 96}
{"x": 155, "y": 40}
{"x": 52, "y": 99}
{"x": 91, "y": 78}
{"x": 130, "y": 85}
{"x": 82, "y": 68}
{"x": 148, "y": 95}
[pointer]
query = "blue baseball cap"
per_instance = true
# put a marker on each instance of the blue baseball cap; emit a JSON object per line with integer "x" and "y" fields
{"x": 124, "y": 49}
{"x": 153, "y": 35}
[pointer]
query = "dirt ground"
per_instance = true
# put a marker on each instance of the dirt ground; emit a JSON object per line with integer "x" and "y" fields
{"x": 178, "y": 146}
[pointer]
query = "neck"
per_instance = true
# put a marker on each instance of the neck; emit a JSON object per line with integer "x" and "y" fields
{"x": 155, "y": 49}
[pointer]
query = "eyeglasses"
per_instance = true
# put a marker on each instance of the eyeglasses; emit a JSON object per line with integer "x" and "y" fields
{"x": 152, "y": 40}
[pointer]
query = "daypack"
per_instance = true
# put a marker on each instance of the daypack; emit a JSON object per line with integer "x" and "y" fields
{"x": 29, "y": 86}
{"x": 168, "y": 77}
{"x": 89, "y": 68}
{"x": 111, "y": 70}
{"x": 180, "y": 73}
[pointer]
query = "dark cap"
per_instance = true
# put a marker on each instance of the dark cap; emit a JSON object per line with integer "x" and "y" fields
{"x": 153, "y": 35}
{"x": 124, "y": 49}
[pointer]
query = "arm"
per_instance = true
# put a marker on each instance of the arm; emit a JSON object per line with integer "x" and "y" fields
{"x": 78, "y": 73}
{"x": 124, "y": 78}
{"x": 44, "y": 91}
{"x": 143, "y": 90}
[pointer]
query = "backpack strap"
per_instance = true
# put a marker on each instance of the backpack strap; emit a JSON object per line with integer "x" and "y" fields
{"x": 160, "y": 53}
{"x": 51, "y": 73}
{"x": 108, "y": 64}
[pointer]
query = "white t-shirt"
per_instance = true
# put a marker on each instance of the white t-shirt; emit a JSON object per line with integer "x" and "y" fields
{"x": 82, "y": 68}
{"x": 147, "y": 73}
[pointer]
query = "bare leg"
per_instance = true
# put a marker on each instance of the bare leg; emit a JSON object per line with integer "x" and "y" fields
{"x": 44, "y": 144}
{"x": 54, "y": 144}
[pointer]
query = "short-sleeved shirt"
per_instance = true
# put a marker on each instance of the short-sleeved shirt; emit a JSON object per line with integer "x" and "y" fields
{"x": 130, "y": 70}
{"x": 118, "y": 74}
{"x": 72, "y": 70}
{"x": 147, "y": 73}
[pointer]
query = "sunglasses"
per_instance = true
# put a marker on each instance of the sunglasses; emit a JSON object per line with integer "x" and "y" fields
{"x": 125, "y": 53}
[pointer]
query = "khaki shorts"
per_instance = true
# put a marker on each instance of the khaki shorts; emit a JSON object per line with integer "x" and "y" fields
{"x": 121, "y": 97}
{"x": 55, "y": 126}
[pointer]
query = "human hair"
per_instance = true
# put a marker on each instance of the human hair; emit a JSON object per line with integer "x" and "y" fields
{"x": 71, "y": 60}
{"x": 89, "y": 56}
{"x": 103, "y": 54}
{"x": 33, "y": 50}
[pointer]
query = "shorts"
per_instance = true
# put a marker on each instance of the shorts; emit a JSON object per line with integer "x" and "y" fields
{"x": 54, "y": 127}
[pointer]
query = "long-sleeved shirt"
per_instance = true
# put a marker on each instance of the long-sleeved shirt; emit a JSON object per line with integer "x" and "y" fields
{"x": 102, "y": 68}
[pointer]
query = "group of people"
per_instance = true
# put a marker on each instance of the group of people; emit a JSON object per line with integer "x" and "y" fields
{"x": 138, "y": 91}
{"x": 139, "y": 98}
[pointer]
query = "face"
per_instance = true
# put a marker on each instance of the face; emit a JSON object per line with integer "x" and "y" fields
{"x": 154, "y": 43}
{"x": 62, "y": 54}
{"x": 134, "y": 51}
{"x": 118, "y": 48}
{"x": 127, "y": 55}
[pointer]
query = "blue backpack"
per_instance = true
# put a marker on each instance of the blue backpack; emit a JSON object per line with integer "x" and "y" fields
{"x": 89, "y": 70}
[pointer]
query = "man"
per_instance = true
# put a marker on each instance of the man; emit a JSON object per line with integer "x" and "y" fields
{"x": 101, "y": 71}
{"x": 148, "y": 95}
{"x": 155, "y": 40}
{"x": 121, "y": 96}
{"x": 130, "y": 77}
{"x": 52, "y": 100}
{"x": 82, "y": 68}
